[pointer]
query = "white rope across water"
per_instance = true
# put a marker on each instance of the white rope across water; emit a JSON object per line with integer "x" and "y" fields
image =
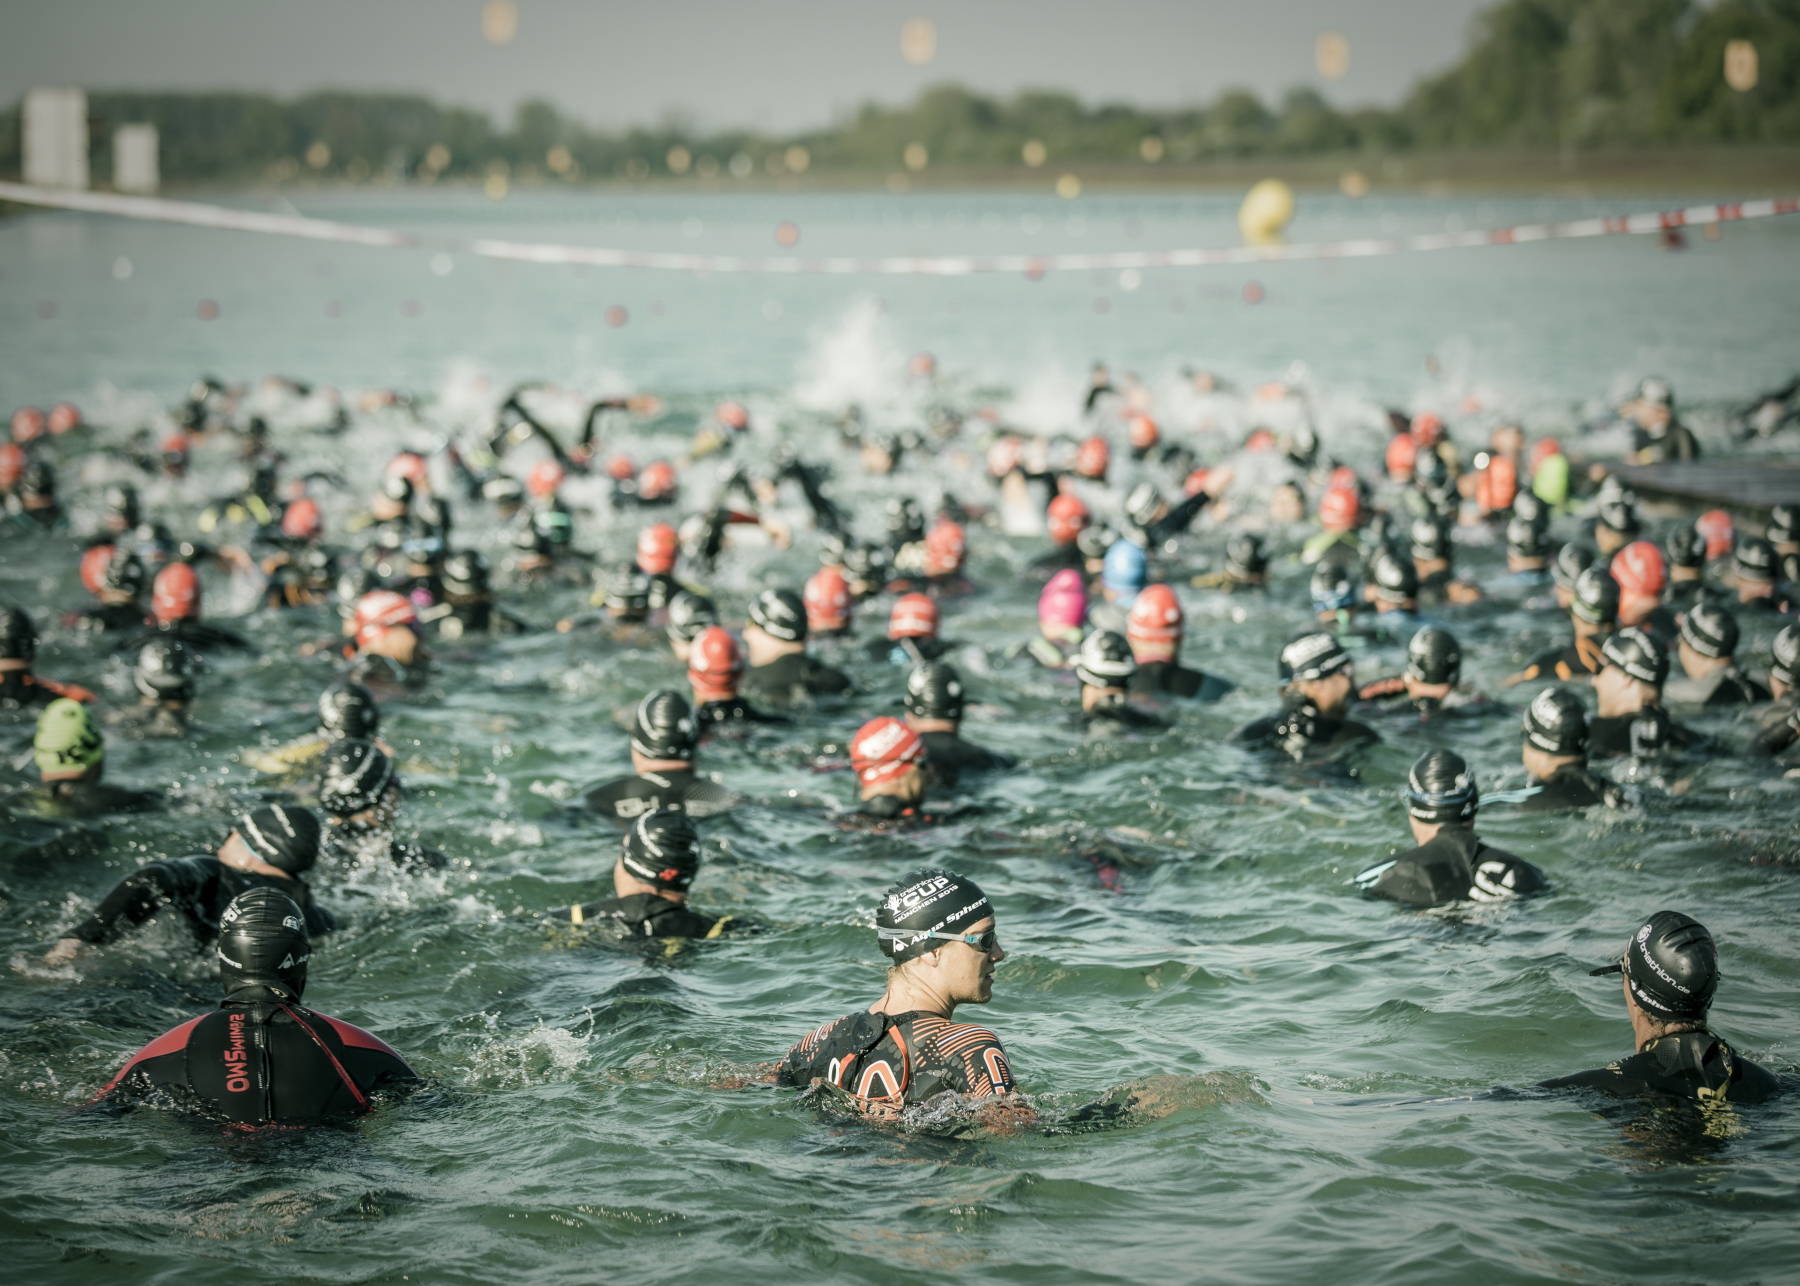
{"x": 217, "y": 216}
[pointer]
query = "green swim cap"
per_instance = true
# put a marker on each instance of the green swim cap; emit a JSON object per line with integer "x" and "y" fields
{"x": 1551, "y": 481}
{"x": 67, "y": 742}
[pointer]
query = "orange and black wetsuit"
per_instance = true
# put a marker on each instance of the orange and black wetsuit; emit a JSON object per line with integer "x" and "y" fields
{"x": 891, "y": 1060}
{"x": 262, "y": 1064}
{"x": 23, "y": 690}
{"x": 1580, "y": 661}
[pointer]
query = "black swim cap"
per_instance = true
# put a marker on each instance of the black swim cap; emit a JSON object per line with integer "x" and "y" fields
{"x": 356, "y": 775}
{"x": 1430, "y": 471}
{"x": 1434, "y": 656}
{"x": 1619, "y": 515}
{"x": 1755, "y": 559}
{"x": 1784, "y": 524}
{"x": 18, "y": 636}
{"x": 627, "y": 593}
{"x": 1572, "y": 559}
{"x": 1671, "y": 965}
{"x": 1685, "y": 547}
{"x": 780, "y": 614}
{"x": 1441, "y": 788}
{"x": 1395, "y": 579}
{"x": 1104, "y": 660}
{"x": 1525, "y": 538}
{"x": 284, "y": 836}
{"x": 1429, "y": 539}
{"x": 662, "y": 848}
{"x": 934, "y": 690}
{"x": 689, "y": 614}
{"x": 348, "y": 710}
{"x": 1142, "y": 503}
{"x": 1095, "y": 539}
{"x": 927, "y": 901}
{"x": 1784, "y": 663}
{"x": 263, "y": 944}
{"x": 466, "y": 572}
{"x": 123, "y": 572}
{"x": 397, "y": 487}
{"x": 1596, "y": 597}
{"x": 1314, "y": 655}
{"x": 1244, "y": 555}
{"x": 39, "y": 479}
{"x": 1638, "y": 654}
{"x": 1710, "y": 630}
{"x": 1330, "y": 587}
{"x": 165, "y": 670}
{"x": 1529, "y": 508}
{"x": 121, "y": 499}
{"x": 663, "y": 727}
{"x": 1556, "y": 723}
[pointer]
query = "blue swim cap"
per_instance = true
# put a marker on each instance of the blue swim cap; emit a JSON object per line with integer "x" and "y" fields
{"x": 1125, "y": 571}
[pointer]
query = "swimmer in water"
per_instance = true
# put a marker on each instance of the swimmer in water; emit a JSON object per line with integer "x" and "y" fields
{"x": 1780, "y": 727}
{"x": 163, "y": 674}
{"x": 261, "y": 1058}
{"x": 1318, "y": 679}
{"x": 1428, "y": 685}
{"x": 659, "y": 856}
{"x": 359, "y": 793}
{"x": 1593, "y": 612}
{"x": 1707, "y": 642}
{"x": 828, "y": 603}
{"x": 781, "y": 670}
{"x": 69, "y": 751}
{"x": 1555, "y": 751}
{"x": 938, "y": 931}
{"x": 175, "y": 614}
{"x": 1755, "y": 570}
{"x": 1062, "y": 611}
{"x": 1633, "y": 668}
{"x": 1669, "y": 974}
{"x": 1246, "y": 567}
{"x": 271, "y": 847}
{"x": 689, "y": 614}
{"x": 120, "y": 590}
{"x": 888, "y": 759}
{"x": 386, "y": 641}
{"x": 1451, "y": 862}
{"x": 1154, "y": 628}
{"x": 912, "y": 633}
{"x": 21, "y": 690}
{"x": 663, "y": 745}
{"x": 934, "y": 709}
{"x": 1105, "y": 667}
{"x": 715, "y": 668}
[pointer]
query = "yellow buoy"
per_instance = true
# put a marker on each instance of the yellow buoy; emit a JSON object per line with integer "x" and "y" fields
{"x": 1268, "y": 208}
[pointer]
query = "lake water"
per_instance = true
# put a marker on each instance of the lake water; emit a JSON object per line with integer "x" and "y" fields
{"x": 1307, "y": 1070}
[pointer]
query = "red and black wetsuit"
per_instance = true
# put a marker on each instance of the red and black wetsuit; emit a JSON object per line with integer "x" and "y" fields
{"x": 890, "y": 1060}
{"x": 264, "y": 1064}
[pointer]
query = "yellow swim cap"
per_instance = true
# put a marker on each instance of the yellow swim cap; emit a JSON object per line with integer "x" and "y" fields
{"x": 67, "y": 743}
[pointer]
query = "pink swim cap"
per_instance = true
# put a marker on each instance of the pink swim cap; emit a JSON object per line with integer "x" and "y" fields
{"x": 1063, "y": 604}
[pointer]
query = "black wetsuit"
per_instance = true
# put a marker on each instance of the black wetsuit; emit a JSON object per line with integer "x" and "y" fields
{"x": 890, "y": 1061}
{"x": 1780, "y": 729}
{"x": 1722, "y": 688}
{"x": 1578, "y": 662}
{"x": 1303, "y": 730}
{"x": 795, "y": 677}
{"x": 1689, "y": 1064}
{"x": 198, "y": 635}
{"x": 729, "y": 710}
{"x": 24, "y": 691}
{"x": 891, "y": 813}
{"x": 1572, "y": 786}
{"x": 111, "y": 617}
{"x": 86, "y": 799}
{"x": 1455, "y": 866}
{"x": 200, "y": 888}
{"x": 1115, "y": 714}
{"x": 477, "y": 618}
{"x": 948, "y": 757}
{"x": 909, "y": 651}
{"x": 1390, "y": 698}
{"x": 1609, "y": 736}
{"x": 1056, "y": 559}
{"x": 1176, "y": 679}
{"x": 647, "y": 915}
{"x": 626, "y": 799}
{"x": 278, "y": 1064}
{"x": 1675, "y": 442}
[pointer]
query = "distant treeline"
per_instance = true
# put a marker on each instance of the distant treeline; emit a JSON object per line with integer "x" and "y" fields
{"x": 1551, "y": 74}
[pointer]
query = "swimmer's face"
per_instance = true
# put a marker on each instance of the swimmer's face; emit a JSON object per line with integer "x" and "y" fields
{"x": 968, "y": 971}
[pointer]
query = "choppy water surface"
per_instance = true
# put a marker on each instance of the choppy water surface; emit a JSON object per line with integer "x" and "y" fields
{"x": 1301, "y": 1061}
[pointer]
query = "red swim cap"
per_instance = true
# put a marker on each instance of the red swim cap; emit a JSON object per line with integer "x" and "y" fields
{"x": 175, "y": 594}
{"x": 1719, "y": 532}
{"x": 1093, "y": 457}
{"x": 1497, "y": 485}
{"x": 945, "y": 547}
{"x": 12, "y": 464}
{"x": 715, "y": 664}
{"x": 1067, "y": 516}
{"x": 1144, "y": 432}
{"x": 657, "y": 480}
{"x": 620, "y": 467}
{"x": 27, "y": 424}
{"x": 1427, "y": 429}
{"x": 300, "y": 520}
{"x": 545, "y": 477}
{"x": 656, "y": 546}
{"x": 827, "y": 599}
{"x": 1640, "y": 570}
{"x": 409, "y": 465}
{"x": 914, "y": 617}
{"x": 1402, "y": 454}
{"x": 883, "y": 749}
{"x": 379, "y": 611}
{"x": 1155, "y": 616}
{"x": 93, "y": 568}
{"x": 63, "y": 417}
{"x": 733, "y": 415}
{"x": 1339, "y": 508}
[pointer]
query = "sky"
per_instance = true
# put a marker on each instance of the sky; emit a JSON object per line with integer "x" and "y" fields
{"x": 771, "y": 65}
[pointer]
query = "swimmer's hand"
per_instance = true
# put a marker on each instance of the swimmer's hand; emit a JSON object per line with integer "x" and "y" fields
{"x": 64, "y": 952}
